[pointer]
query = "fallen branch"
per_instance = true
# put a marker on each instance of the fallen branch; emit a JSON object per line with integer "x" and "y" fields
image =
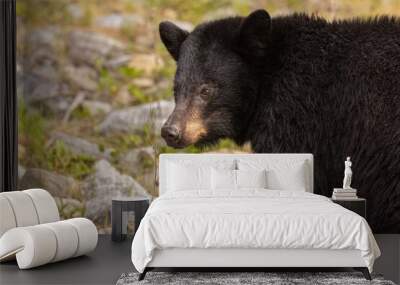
{"x": 75, "y": 104}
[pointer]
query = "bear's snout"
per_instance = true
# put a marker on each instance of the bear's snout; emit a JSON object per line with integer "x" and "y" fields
{"x": 171, "y": 134}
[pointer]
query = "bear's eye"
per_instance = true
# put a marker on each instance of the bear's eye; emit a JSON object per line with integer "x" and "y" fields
{"x": 205, "y": 91}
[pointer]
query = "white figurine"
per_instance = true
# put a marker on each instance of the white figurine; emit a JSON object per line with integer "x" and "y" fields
{"x": 347, "y": 174}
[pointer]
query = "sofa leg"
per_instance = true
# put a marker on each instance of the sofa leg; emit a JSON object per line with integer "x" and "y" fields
{"x": 142, "y": 275}
{"x": 364, "y": 271}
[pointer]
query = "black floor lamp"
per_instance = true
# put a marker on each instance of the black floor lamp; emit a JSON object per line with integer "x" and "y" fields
{"x": 8, "y": 98}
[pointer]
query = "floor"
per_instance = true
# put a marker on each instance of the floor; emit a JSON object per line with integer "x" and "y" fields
{"x": 110, "y": 260}
{"x": 389, "y": 263}
{"x": 103, "y": 266}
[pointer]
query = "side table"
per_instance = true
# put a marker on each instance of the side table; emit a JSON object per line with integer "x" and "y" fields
{"x": 119, "y": 215}
{"x": 357, "y": 205}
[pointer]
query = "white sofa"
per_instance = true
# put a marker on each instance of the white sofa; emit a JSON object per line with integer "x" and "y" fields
{"x": 31, "y": 230}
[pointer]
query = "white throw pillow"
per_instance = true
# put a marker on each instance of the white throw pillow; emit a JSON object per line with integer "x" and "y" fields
{"x": 223, "y": 179}
{"x": 182, "y": 178}
{"x": 251, "y": 178}
{"x": 290, "y": 174}
{"x": 293, "y": 179}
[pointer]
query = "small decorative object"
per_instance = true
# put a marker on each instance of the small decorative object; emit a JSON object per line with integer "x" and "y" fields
{"x": 347, "y": 192}
{"x": 347, "y": 174}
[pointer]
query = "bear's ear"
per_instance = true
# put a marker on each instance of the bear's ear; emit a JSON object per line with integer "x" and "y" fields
{"x": 254, "y": 33}
{"x": 172, "y": 36}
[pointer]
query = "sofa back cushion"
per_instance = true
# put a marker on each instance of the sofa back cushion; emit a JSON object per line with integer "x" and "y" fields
{"x": 26, "y": 208}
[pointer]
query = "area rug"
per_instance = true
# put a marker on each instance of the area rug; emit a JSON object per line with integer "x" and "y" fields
{"x": 243, "y": 278}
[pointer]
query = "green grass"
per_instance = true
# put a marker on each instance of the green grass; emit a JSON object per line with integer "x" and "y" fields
{"x": 111, "y": 82}
{"x": 192, "y": 11}
{"x": 57, "y": 158}
{"x": 81, "y": 113}
{"x": 67, "y": 213}
{"x": 123, "y": 142}
{"x": 107, "y": 82}
{"x": 61, "y": 160}
{"x": 31, "y": 134}
{"x": 129, "y": 73}
{"x": 138, "y": 95}
{"x": 225, "y": 144}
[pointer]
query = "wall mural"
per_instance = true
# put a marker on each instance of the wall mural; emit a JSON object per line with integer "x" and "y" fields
{"x": 296, "y": 84}
{"x": 95, "y": 86}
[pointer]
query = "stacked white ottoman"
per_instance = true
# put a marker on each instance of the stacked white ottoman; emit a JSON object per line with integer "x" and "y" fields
{"x": 31, "y": 230}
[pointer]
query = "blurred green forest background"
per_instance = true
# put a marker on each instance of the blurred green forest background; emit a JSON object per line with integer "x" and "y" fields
{"x": 95, "y": 85}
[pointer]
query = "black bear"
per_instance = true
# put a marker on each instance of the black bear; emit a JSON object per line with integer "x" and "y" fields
{"x": 297, "y": 83}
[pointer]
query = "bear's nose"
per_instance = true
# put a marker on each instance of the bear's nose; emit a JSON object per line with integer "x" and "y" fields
{"x": 171, "y": 133}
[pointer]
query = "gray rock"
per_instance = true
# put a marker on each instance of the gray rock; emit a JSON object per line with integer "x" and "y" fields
{"x": 119, "y": 21}
{"x": 58, "y": 185}
{"x": 118, "y": 61}
{"x": 44, "y": 46}
{"x": 134, "y": 161}
{"x": 45, "y": 37}
{"x": 81, "y": 146}
{"x": 44, "y": 90}
{"x": 37, "y": 88}
{"x": 92, "y": 47}
{"x": 104, "y": 184}
{"x": 83, "y": 77}
{"x": 97, "y": 107}
{"x": 46, "y": 71}
{"x": 132, "y": 119}
{"x": 41, "y": 78}
{"x": 57, "y": 105}
{"x": 42, "y": 56}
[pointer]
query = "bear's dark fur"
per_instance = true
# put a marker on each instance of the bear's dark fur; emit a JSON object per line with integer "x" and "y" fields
{"x": 297, "y": 84}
